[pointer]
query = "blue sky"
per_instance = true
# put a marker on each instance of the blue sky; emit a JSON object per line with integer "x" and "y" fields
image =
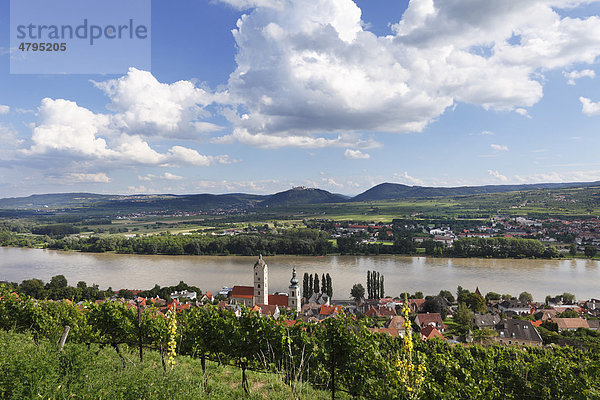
{"x": 258, "y": 96}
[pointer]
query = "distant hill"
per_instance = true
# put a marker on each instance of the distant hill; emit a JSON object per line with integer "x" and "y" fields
{"x": 54, "y": 200}
{"x": 111, "y": 204}
{"x": 192, "y": 202}
{"x": 132, "y": 202}
{"x": 393, "y": 191}
{"x": 302, "y": 195}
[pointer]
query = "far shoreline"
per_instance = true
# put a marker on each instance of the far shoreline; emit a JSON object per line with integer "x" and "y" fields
{"x": 566, "y": 258}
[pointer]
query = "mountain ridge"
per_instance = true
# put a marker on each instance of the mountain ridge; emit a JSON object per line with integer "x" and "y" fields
{"x": 290, "y": 197}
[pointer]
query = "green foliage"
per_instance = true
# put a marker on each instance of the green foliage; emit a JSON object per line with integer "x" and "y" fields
{"x": 447, "y": 295}
{"x": 525, "y": 297}
{"x": 573, "y": 249}
{"x": 568, "y": 314}
{"x": 590, "y": 251}
{"x": 493, "y": 296}
{"x": 464, "y": 318}
{"x": 35, "y": 369}
{"x": 340, "y": 350}
{"x": 357, "y": 292}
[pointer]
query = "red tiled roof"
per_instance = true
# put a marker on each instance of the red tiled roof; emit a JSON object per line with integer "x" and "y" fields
{"x": 386, "y": 312}
{"x": 389, "y": 331}
{"x": 280, "y": 300}
{"x": 265, "y": 309}
{"x": 243, "y": 291}
{"x": 329, "y": 310}
{"x": 372, "y": 312}
{"x": 430, "y": 318}
{"x": 430, "y": 332}
{"x": 537, "y": 323}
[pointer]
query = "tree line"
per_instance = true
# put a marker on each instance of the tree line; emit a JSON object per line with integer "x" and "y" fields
{"x": 58, "y": 289}
{"x": 310, "y": 285}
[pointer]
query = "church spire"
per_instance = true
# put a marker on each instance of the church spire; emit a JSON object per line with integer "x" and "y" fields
{"x": 294, "y": 280}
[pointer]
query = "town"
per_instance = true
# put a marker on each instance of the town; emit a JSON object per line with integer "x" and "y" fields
{"x": 467, "y": 317}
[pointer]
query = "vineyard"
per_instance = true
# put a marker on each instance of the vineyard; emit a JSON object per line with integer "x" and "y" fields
{"x": 340, "y": 355}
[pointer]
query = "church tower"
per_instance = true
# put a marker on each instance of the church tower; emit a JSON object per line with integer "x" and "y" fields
{"x": 294, "y": 293}
{"x": 261, "y": 282}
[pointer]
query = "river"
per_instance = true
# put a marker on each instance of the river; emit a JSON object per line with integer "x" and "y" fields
{"x": 429, "y": 275}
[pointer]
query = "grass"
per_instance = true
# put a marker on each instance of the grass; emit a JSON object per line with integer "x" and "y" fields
{"x": 33, "y": 369}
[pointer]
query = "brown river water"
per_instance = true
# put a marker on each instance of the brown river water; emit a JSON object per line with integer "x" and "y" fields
{"x": 429, "y": 275}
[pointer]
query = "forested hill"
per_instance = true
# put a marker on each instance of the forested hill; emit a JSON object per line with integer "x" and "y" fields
{"x": 294, "y": 197}
{"x": 302, "y": 195}
{"x": 393, "y": 191}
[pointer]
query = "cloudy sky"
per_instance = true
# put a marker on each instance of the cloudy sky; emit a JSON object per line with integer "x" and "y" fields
{"x": 260, "y": 95}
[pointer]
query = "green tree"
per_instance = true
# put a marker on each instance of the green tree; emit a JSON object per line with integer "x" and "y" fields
{"x": 590, "y": 251}
{"x": 381, "y": 288}
{"x": 329, "y": 286}
{"x": 493, "y": 296}
{"x": 316, "y": 283}
{"x": 311, "y": 286}
{"x": 568, "y": 314}
{"x": 58, "y": 281}
{"x": 357, "y": 292}
{"x": 323, "y": 284}
{"x": 464, "y": 318}
{"x": 305, "y": 286}
{"x": 525, "y": 297}
{"x": 568, "y": 298}
{"x": 33, "y": 288}
{"x": 447, "y": 295}
{"x": 573, "y": 249}
{"x": 476, "y": 303}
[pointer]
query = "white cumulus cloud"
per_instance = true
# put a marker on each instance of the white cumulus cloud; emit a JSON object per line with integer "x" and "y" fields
{"x": 588, "y": 107}
{"x": 406, "y": 178}
{"x": 497, "y": 175}
{"x": 499, "y": 147}
{"x": 356, "y": 154}
{"x": 573, "y": 75}
{"x": 309, "y": 67}
{"x": 99, "y": 177}
{"x": 4, "y": 109}
{"x": 142, "y": 104}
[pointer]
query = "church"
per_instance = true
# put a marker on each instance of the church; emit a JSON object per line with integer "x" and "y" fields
{"x": 259, "y": 293}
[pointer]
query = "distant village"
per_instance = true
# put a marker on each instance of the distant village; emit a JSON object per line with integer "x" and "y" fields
{"x": 549, "y": 231}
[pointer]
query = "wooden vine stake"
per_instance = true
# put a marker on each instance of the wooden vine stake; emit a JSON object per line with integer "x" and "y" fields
{"x": 63, "y": 337}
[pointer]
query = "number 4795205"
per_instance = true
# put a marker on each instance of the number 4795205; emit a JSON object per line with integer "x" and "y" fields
{"x": 43, "y": 46}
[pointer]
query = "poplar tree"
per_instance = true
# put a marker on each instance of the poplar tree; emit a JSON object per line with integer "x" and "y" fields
{"x": 305, "y": 286}
{"x": 329, "y": 287}
{"x": 310, "y": 285}
{"x": 382, "y": 290}
{"x": 369, "y": 285}
{"x": 323, "y": 284}
{"x": 316, "y": 283}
